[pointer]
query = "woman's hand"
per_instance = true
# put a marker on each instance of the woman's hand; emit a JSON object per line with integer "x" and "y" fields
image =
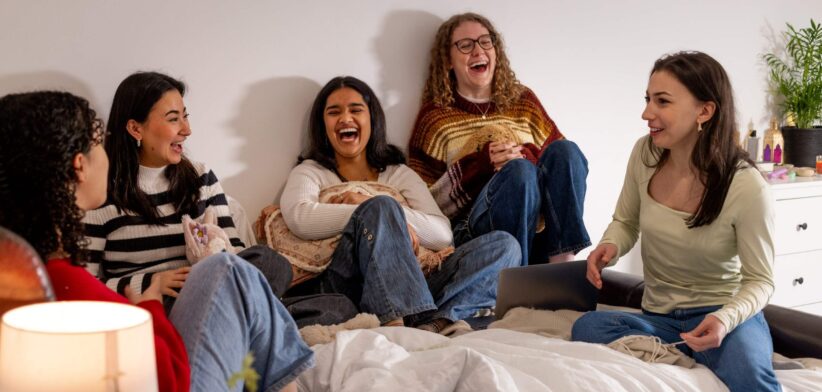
{"x": 150, "y": 293}
{"x": 597, "y": 260}
{"x": 502, "y": 152}
{"x": 707, "y": 335}
{"x": 349, "y": 198}
{"x": 170, "y": 280}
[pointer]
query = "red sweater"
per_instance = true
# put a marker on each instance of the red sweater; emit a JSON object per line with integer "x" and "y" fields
{"x": 73, "y": 283}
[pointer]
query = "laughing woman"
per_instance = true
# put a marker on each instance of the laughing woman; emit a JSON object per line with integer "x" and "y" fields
{"x": 137, "y": 238}
{"x": 374, "y": 263}
{"x": 509, "y": 183}
{"x": 52, "y": 169}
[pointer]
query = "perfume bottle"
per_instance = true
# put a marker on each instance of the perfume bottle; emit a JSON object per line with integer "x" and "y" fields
{"x": 773, "y": 140}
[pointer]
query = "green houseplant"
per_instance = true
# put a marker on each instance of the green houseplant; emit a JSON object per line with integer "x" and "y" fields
{"x": 797, "y": 80}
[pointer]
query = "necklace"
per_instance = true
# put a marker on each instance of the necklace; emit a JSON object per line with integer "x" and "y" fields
{"x": 484, "y": 112}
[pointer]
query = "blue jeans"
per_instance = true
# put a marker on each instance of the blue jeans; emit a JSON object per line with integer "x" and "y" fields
{"x": 375, "y": 266}
{"x": 516, "y": 195}
{"x": 467, "y": 280}
{"x": 742, "y": 361}
{"x": 225, "y": 310}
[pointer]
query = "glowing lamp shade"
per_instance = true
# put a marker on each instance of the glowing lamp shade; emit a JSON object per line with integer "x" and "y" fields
{"x": 77, "y": 346}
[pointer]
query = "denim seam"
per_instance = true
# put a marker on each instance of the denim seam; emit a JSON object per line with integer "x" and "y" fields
{"x": 474, "y": 205}
{"x": 392, "y": 313}
{"x": 292, "y": 375}
{"x": 574, "y": 249}
{"x": 547, "y": 195}
{"x": 203, "y": 331}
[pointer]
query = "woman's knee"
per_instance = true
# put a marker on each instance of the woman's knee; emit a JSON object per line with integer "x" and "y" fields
{"x": 220, "y": 265}
{"x": 519, "y": 173}
{"x": 581, "y": 326}
{"x": 380, "y": 205}
{"x": 510, "y": 253}
{"x": 563, "y": 151}
{"x": 588, "y": 326}
{"x": 217, "y": 261}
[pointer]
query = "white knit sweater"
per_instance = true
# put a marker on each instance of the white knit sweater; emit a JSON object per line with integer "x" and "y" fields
{"x": 309, "y": 219}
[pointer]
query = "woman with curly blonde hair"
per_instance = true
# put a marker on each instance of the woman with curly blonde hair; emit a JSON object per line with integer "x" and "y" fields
{"x": 490, "y": 154}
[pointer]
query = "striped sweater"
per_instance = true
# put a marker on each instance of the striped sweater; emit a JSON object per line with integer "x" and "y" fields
{"x": 440, "y": 133}
{"x": 126, "y": 250}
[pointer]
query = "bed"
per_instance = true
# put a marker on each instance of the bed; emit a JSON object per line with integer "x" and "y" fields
{"x": 527, "y": 350}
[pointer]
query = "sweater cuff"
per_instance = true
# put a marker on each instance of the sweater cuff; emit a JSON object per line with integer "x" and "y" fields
{"x": 724, "y": 318}
{"x": 483, "y": 159}
{"x": 531, "y": 152}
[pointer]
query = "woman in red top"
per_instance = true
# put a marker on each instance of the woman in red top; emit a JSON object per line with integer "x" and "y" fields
{"x": 53, "y": 168}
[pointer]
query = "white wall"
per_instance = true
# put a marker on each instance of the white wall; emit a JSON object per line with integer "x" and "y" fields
{"x": 253, "y": 67}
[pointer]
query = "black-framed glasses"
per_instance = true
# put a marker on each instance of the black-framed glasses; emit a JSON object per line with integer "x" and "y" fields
{"x": 466, "y": 45}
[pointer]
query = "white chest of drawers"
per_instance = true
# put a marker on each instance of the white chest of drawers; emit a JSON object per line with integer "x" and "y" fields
{"x": 798, "y": 243}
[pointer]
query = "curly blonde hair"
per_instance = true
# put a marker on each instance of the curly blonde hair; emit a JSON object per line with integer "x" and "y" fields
{"x": 439, "y": 88}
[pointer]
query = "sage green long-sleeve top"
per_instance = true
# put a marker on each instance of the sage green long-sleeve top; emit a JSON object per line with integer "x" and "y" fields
{"x": 728, "y": 262}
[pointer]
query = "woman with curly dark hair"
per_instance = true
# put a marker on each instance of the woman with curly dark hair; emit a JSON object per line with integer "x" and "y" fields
{"x": 52, "y": 169}
{"x": 33, "y": 184}
{"x": 479, "y": 177}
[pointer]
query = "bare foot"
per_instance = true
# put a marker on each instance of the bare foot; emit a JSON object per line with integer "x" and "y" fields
{"x": 562, "y": 257}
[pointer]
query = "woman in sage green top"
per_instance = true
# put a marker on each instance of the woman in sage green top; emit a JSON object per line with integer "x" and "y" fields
{"x": 706, "y": 218}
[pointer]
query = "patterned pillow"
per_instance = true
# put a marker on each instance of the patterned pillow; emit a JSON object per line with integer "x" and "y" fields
{"x": 310, "y": 257}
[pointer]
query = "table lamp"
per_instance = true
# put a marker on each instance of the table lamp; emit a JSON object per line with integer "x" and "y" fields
{"x": 23, "y": 279}
{"x": 74, "y": 346}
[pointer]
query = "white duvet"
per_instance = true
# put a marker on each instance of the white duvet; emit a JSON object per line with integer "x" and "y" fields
{"x": 407, "y": 359}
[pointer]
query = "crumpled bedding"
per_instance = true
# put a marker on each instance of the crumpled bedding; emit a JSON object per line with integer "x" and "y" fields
{"x": 498, "y": 359}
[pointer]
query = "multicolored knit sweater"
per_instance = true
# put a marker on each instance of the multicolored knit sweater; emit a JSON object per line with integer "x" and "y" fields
{"x": 441, "y": 132}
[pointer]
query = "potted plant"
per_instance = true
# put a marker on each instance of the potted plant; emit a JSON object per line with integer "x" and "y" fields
{"x": 797, "y": 79}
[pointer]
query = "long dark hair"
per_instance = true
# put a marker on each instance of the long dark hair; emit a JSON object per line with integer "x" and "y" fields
{"x": 133, "y": 100}
{"x": 717, "y": 155}
{"x": 40, "y": 134}
{"x": 378, "y": 152}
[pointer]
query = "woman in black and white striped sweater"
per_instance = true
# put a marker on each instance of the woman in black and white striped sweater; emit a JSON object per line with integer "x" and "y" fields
{"x": 136, "y": 237}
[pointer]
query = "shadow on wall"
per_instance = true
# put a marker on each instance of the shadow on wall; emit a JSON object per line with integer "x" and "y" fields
{"x": 402, "y": 49}
{"x": 774, "y": 44}
{"x": 48, "y": 80}
{"x": 272, "y": 121}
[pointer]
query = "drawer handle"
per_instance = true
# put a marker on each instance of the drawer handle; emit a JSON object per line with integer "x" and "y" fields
{"x": 798, "y": 280}
{"x": 803, "y": 226}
